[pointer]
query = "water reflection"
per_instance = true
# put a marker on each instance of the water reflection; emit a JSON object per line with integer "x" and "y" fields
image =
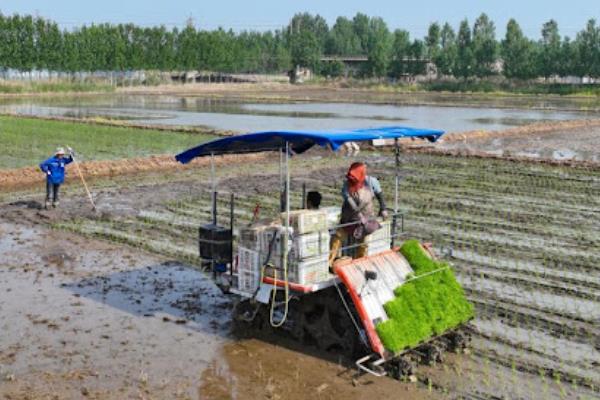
{"x": 234, "y": 115}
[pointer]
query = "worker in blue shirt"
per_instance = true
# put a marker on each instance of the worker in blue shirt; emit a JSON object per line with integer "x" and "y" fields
{"x": 54, "y": 168}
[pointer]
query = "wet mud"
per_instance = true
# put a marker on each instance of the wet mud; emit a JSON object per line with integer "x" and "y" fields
{"x": 575, "y": 142}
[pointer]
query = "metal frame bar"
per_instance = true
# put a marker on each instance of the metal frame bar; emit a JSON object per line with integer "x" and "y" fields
{"x": 213, "y": 209}
{"x": 303, "y": 206}
{"x": 231, "y": 223}
{"x": 285, "y": 208}
{"x": 360, "y": 363}
{"x": 396, "y": 200}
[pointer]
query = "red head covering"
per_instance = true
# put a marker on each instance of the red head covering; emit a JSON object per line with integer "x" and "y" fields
{"x": 357, "y": 173}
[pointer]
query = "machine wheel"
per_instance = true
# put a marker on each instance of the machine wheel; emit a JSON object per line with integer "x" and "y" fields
{"x": 431, "y": 354}
{"x": 456, "y": 341}
{"x": 327, "y": 324}
{"x": 248, "y": 317}
{"x": 318, "y": 319}
{"x": 401, "y": 368}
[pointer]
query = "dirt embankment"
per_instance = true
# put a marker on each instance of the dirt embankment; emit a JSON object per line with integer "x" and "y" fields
{"x": 591, "y": 165}
{"x": 25, "y": 177}
{"x": 530, "y": 129}
{"x": 533, "y": 143}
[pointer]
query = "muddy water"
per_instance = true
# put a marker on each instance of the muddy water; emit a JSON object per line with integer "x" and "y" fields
{"x": 239, "y": 116}
{"x": 106, "y": 322}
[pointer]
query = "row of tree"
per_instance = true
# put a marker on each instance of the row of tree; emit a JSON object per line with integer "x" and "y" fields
{"x": 28, "y": 43}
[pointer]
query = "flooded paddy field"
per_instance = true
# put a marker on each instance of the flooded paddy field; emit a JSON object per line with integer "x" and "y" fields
{"x": 523, "y": 239}
{"x": 257, "y": 114}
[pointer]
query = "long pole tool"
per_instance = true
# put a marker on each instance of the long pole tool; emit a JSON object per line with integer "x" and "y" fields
{"x": 83, "y": 180}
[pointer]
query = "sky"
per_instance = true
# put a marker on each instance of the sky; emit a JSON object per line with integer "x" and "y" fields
{"x": 414, "y": 16}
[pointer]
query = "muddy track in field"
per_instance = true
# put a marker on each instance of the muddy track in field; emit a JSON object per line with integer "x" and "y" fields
{"x": 523, "y": 238}
{"x": 14, "y": 179}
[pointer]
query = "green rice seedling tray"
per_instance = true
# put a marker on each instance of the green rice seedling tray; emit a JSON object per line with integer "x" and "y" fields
{"x": 427, "y": 305}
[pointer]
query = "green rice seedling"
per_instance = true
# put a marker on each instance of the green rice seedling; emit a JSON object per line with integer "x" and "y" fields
{"x": 27, "y": 141}
{"x": 429, "y": 304}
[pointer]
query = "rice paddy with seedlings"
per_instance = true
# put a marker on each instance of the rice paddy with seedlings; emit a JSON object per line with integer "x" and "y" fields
{"x": 523, "y": 240}
{"x": 28, "y": 141}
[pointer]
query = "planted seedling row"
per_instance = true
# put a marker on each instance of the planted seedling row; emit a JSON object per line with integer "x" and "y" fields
{"x": 521, "y": 316}
{"x": 551, "y": 279}
{"x": 527, "y": 248}
{"x": 107, "y": 232}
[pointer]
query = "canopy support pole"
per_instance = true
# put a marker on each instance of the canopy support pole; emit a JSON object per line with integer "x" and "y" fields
{"x": 213, "y": 210}
{"x": 213, "y": 189}
{"x": 396, "y": 184}
{"x": 285, "y": 242}
{"x": 281, "y": 182}
{"x": 303, "y": 195}
{"x": 231, "y": 223}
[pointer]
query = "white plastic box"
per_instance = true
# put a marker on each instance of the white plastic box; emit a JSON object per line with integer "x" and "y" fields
{"x": 248, "y": 270}
{"x": 300, "y": 247}
{"x": 304, "y": 272}
{"x": 248, "y": 260}
{"x": 306, "y": 221}
{"x": 267, "y": 240}
{"x": 248, "y": 281}
{"x": 334, "y": 215}
{"x": 250, "y": 237}
{"x": 311, "y": 245}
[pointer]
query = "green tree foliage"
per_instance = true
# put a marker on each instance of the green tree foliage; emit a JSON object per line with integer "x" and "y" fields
{"x": 418, "y": 62}
{"x": 31, "y": 43}
{"x": 588, "y": 50}
{"x": 307, "y": 37}
{"x": 333, "y": 69}
{"x": 4, "y": 41}
{"x": 305, "y": 49}
{"x": 188, "y": 51}
{"x": 446, "y": 58}
{"x": 25, "y": 52}
{"x": 361, "y": 30}
{"x": 549, "y": 60}
{"x": 465, "y": 59}
{"x": 312, "y": 23}
{"x": 279, "y": 57}
{"x": 343, "y": 40}
{"x": 569, "y": 56}
{"x": 517, "y": 52}
{"x": 216, "y": 50}
{"x": 432, "y": 40}
{"x": 400, "y": 52}
{"x": 485, "y": 47}
{"x": 70, "y": 59}
{"x": 378, "y": 47}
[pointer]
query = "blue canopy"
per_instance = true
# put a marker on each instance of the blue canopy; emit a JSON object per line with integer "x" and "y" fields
{"x": 300, "y": 141}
